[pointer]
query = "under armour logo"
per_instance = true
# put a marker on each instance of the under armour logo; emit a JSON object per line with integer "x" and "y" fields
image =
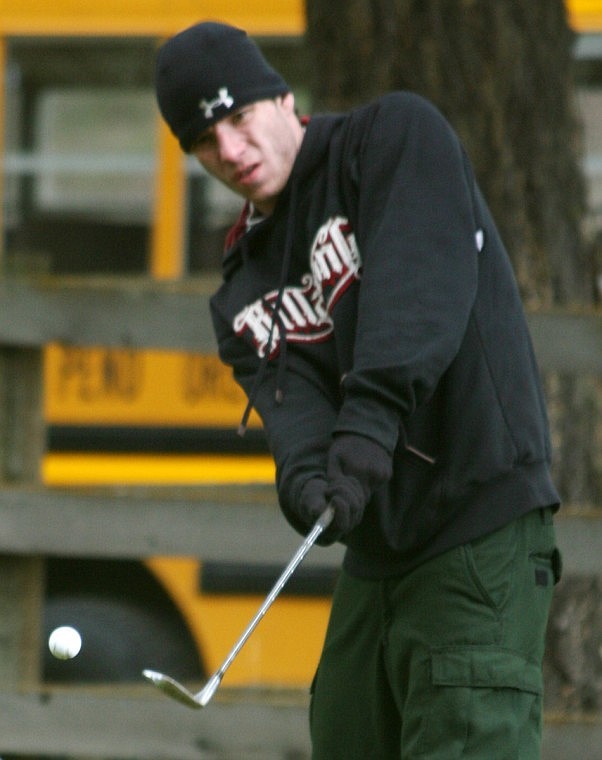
{"x": 223, "y": 99}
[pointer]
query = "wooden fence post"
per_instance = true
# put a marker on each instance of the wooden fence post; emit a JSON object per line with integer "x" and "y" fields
{"x": 21, "y": 578}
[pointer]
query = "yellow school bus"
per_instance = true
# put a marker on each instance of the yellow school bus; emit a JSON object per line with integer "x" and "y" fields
{"x": 93, "y": 184}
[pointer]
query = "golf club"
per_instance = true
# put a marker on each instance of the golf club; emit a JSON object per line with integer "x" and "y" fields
{"x": 177, "y": 691}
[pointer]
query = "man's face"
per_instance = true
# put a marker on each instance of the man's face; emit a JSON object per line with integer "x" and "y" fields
{"x": 252, "y": 150}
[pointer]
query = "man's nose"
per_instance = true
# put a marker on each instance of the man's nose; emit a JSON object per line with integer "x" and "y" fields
{"x": 229, "y": 143}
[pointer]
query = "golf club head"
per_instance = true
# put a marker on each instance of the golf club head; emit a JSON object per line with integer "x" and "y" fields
{"x": 176, "y": 690}
{"x": 209, "y": 689}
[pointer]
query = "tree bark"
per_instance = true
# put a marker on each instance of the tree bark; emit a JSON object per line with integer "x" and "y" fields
{"x": 500, "y": 70}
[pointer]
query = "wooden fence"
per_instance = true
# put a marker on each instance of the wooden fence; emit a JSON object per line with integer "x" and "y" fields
{"x": 120, "y": 722}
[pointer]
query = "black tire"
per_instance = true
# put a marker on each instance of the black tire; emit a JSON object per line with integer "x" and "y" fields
{"x": 119, "y": 639}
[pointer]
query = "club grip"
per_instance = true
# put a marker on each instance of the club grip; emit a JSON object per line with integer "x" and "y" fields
{"x": 325, "y": 518}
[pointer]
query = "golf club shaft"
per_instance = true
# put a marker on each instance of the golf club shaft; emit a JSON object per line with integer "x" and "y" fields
{"x": 320, "y": 525}
{"x": 178, "y": 691}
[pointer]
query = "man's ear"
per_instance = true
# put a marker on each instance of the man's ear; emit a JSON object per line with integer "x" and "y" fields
{"x": 287, "y": 101}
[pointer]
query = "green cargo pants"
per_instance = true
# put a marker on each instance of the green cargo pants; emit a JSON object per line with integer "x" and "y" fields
{"x": 444, "y": 662}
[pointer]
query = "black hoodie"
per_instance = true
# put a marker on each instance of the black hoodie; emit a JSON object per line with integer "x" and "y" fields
{"x": 378, "y": 299}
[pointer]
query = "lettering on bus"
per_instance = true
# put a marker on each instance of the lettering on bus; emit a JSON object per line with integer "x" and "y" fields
{"x": 205, "y": 377}
{"x": 89, "y": 374}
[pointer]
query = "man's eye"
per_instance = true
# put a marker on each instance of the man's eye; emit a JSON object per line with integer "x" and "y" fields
{"x": 203, "y": 141}
{"x": 240, "y": 116}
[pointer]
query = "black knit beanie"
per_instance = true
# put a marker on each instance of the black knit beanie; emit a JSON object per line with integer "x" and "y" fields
{"x": 207, "y": 71}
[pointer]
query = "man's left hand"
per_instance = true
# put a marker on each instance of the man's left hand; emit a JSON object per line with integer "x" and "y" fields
{"x": 357, "y": 466}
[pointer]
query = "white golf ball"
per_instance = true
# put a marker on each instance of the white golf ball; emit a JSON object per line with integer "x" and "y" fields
{"x": 65, "y": 642}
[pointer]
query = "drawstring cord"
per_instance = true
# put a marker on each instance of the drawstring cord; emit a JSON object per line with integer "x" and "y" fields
{"x": 242, "y": 427}
{"x": 281, "y": 371}
{"x": 412, "y": 449}
{"x": 276, "y": 322}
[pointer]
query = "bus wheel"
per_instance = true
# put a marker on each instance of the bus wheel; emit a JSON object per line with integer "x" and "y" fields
{"x": 119, "y": 639}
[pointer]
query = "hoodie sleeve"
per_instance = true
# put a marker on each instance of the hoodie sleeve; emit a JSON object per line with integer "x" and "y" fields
{"x": 417, "y": 235}
{"x": 299, "y": 431}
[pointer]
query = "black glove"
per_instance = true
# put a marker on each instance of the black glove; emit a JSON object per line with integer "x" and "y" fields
{"x": 357, "y": 466}
{"x": 310, "y": 505}
{"x": 312, "y": 501}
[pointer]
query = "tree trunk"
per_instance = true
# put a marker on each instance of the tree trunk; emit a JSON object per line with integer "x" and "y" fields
{"x": 501, "y": 72}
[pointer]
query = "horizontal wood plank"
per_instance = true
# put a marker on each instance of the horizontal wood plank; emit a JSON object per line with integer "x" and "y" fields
{"x": 141, "y": 313}
{"x": 234, "y": 524}
{"x": 124, "y": 312}
{"x": 567, "y": 342}
{"x": 127, "y": 723}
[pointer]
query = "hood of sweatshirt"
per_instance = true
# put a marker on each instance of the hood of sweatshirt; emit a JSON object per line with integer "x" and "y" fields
{"x": 311, "y": 156}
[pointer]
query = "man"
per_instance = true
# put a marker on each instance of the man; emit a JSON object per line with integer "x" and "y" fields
{"x": 370, "y": 313}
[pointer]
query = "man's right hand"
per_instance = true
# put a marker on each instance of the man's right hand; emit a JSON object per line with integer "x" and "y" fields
{"x": 348, "y": 504}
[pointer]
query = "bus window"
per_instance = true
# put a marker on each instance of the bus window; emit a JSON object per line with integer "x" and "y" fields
{"x": 79, "y": 158}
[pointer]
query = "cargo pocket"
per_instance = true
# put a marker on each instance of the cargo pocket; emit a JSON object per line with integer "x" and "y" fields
{"x": 481, "y": 699}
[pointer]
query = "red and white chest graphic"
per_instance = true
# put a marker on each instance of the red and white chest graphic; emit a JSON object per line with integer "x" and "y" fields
{"x": 305, "y": 310}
